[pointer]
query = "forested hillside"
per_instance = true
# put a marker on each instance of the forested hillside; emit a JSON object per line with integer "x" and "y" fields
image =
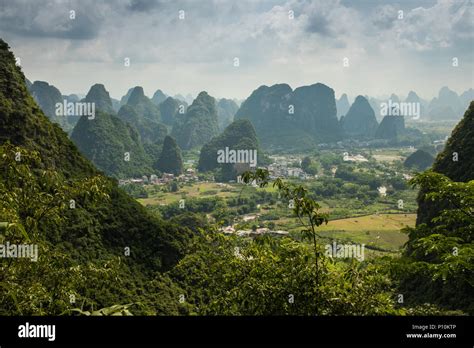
{"x": 439, "y": 264}
{"x": 96, "y": 245}
{"x": 199, "y": 124}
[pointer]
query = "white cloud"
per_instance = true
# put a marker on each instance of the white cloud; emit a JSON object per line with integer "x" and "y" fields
{"x": 386, "y": 54}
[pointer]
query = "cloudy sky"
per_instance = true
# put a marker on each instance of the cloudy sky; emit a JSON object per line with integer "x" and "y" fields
{"x": 389, "y": 46}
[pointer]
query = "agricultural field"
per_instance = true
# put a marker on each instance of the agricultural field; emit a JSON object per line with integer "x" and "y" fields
{"x": 157, "y": 196}
{"x": 357, "y": 212}
{"x": 382, "y": 231}
{"x": 377, "y": 225}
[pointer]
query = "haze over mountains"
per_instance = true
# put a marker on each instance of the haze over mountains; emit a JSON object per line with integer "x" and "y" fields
{"x": 448, "y": 105}
{"x": 282, "y": 118}
{"x": 342, "y": 105}
{"x": 280, "y": 115}
{"x": 359, "y": 121}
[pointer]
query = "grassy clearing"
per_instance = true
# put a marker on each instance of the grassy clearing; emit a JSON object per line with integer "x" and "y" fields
{"x": 198, "y": 190}
{"x": 381, "y": 231}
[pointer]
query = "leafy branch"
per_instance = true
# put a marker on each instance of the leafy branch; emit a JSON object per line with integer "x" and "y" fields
{"x": 304, "y": 207}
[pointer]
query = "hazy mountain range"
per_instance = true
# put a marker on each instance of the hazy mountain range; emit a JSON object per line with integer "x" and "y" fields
{"x": 283, "y": 118}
